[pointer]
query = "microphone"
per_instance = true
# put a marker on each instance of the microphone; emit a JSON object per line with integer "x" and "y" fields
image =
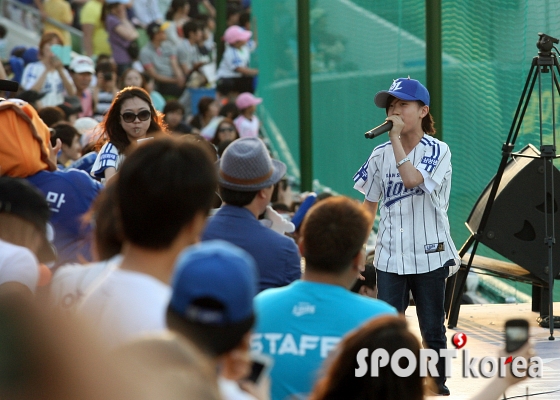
{"x": 378, "y": 130}
{"x": 8, "y": 86}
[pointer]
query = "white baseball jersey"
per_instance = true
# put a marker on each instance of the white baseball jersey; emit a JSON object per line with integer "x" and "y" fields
{"x": 233, "y": 58}
{"x": 413, "y": 235}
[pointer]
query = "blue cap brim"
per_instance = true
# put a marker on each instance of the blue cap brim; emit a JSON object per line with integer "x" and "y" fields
{"x": 381, "y": 97}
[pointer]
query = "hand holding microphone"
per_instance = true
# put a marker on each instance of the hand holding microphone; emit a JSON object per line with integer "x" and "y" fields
{"x": 378, "y": 130}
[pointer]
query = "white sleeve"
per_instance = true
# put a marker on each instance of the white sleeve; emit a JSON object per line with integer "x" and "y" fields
{"x": 367, "y": 181}
{"x": 21, "y": 266}
{"x": 108, "y": 157}
{"x": 30, "y": 75}
{"x": 435, "y": 166}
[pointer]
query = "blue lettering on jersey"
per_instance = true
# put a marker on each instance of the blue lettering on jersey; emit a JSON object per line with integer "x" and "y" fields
{"x": 429, "y": 161}
{"x": 107, "y": 156}
{"x": 396, "y": 191}
{"x": 362, "y": 173}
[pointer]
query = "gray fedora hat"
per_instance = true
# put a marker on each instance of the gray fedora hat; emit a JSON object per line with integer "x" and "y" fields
{"x": 246, "y": 166}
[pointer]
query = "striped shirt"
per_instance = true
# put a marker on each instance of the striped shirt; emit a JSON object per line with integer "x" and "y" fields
{"x": 108, "y": 157}
{"x": 414, "y": 235}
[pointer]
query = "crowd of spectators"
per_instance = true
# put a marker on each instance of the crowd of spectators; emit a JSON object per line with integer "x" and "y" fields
{"x": 150, "y": 246}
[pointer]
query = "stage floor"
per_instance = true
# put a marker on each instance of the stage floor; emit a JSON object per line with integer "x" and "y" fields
{"x": 484, "y": 326}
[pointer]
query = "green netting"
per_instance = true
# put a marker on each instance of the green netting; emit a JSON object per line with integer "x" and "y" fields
{"x": 359, "y": 46}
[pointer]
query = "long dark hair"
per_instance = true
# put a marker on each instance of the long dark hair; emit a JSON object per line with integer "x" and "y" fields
{"x": 111, "y": 125}
{"x": 389, "y": 333}
{"x": 216, "y": 140}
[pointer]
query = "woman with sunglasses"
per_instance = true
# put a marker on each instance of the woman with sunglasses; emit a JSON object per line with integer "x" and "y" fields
{"x": 130, "y": 118}
{"x": 226, "y": 131}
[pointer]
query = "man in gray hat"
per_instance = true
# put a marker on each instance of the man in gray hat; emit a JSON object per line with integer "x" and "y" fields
{"x": 247, "y": 176}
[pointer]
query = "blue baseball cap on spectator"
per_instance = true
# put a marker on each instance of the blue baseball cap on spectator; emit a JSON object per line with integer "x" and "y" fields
{"x": 30, "y": 55}
{"x": 218, "y": 271}
{"x": 404, "y": 89}
{"x": 212, "y": 301}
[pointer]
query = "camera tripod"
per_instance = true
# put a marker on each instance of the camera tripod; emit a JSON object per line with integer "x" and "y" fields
{"x": 544, "y": 63}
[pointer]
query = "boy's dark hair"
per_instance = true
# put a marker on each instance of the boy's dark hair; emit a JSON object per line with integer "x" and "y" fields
{"x": 237, "y": 198}
{"x": 334, "y": 232}
{"x": 104, "y": 67}
{"x": 191, "y": 26}
{"x": 212, "y": 340}
{"x": 229, "y": 110}
{"x": 244, "y": 18}
{"x": 147, "y": 77}
{"x": 369, "y": 274}
{"x": 51, "y": 115}
{"x": 3, "y": 31}
{"x": 65, "y": 132}
{"x": 173, "y": 105}
{"x": 161, "y": 187}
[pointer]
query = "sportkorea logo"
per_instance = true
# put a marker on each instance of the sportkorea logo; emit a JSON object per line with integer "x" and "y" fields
{"x": 473, "y": 367}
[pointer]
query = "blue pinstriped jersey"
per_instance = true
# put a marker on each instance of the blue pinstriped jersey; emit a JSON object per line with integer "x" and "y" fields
{"x": 414, "y": 235}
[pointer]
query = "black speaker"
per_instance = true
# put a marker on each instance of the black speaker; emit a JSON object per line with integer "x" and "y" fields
{"x": 516, "y": 224}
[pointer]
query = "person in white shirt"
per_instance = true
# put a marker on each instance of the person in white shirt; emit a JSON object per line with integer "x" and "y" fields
{"x": 24, "y": 215}
{"x": 48, "y": 75}
{"x": 159, "y": 216}
{"x": 247, "y": 123}
{"x": 411, "y": 176}
{"x": 234, "y": 74}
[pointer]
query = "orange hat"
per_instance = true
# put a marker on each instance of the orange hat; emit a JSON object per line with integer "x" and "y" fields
{"x": 25, "y": 141}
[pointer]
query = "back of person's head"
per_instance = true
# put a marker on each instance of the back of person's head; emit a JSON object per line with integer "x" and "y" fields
{"x": 389, "y": 333}
{"x": 204, "y": 104}
{"x": 172, "y": 106}
{"x": 107, "y": 235}
{"x": 169, "y": 367}
{"x": 191, "y": 26}
{"x": 370, "y": 277}
{"x": 333, "y": 233}
{"x": 111, "y": 125}
{"x": 229, "y": 110}
{"x": 212, "y": 302}
{"x": 162, "y": 186}
{"x": 34, "y": 367}
{"x": 51, "y": 115}
{"x": 65, "y": 132}
{"x": 24, "y": 215}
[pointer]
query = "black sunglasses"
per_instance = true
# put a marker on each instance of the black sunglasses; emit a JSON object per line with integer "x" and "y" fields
{"x": 143, "y": 115}
{"x": 228, "y": 129}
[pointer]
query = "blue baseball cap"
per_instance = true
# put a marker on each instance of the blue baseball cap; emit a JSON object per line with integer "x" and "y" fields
{"x": 301, "y": 212}
{"x": 214, "y": 283}
{"x": 404, "y": 89}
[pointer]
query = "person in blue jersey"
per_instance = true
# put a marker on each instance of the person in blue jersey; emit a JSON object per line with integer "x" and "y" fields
{"x": 411, "y": 176}
{"x": 27, "y": 153}
{"x": 300, "y": 324}
{"x": 130, "y": 118}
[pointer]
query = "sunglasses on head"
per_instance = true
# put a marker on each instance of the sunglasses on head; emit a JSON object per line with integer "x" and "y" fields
{"x": 143, "y": 115}
{"x": 226, "y": 129}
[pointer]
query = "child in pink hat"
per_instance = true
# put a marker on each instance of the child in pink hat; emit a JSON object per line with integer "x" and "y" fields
{"x": 234, "y": 74}
{"x": 247, "y": 123}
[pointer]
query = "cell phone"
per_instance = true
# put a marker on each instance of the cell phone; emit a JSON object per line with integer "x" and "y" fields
{"x": 260, "y": 366}
{"x": 63, "y": 53}
{"x": 517, "y": 334}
